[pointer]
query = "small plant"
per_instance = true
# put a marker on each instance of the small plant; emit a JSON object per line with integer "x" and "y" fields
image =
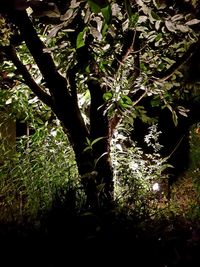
{"x": 138, "y": 176}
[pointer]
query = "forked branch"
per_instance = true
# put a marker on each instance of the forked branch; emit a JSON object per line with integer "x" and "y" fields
{"x": 28, "y": 80}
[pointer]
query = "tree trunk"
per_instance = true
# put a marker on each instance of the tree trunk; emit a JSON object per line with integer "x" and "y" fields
{"x": 94, "y": 165}
{"x": 100, "y": 128}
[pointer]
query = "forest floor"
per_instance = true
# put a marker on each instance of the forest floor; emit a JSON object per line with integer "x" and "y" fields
{"x": 65, "y": 238}
{"x": 108, "y": 239}
{"x": 167, "y": 244}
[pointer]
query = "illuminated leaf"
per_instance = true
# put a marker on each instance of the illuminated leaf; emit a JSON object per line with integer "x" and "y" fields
{"x": 170, "y": 26}
{"x": 107, "y": 96}
{"x": 182, "y": 28}
{"x": 175, "y": 118}
{"x": 80, "y": 41}
{"x": 192, "y": 22}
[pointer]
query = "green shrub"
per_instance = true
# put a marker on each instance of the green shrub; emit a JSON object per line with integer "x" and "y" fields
{"x": 138, "y": 177}
{"x": 41, "y": 169}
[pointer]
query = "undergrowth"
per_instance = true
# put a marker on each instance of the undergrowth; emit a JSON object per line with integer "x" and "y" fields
{"x": 41, "y": 172}
{"x": 41, "y": 169}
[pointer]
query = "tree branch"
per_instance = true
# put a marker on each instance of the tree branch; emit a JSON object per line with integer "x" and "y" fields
{"x": 133, "y": 44}
{"x": 71, "y": 74}
{"x": 28, "y": 80}
{"x": 136, "y": 48}
{"x": 36, "y": 47}
{"x": 165, "y": 75}
{"x": 126, "y": 49}
{"x": 119, "y": 115}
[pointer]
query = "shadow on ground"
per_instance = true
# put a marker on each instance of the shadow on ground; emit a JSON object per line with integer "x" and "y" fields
{"x": 67, "y": 239}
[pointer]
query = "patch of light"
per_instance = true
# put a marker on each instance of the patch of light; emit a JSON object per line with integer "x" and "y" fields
{"x": 156, "y": 187}
{"x": 134, "y": 166}
{"x": 53, "y": 133}
{"x": 119, "y": 147}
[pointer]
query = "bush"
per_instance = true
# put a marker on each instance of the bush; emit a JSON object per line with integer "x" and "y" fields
{"x": 41, "y": 169}
{"x": 139, "y": 178}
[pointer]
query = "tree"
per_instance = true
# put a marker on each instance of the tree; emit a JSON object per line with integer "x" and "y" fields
{"x": 119, "y": 53}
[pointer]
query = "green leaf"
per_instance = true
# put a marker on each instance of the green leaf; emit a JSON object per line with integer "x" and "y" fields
{"x": 159, "y": 36}
{"x": 96, "y": 140}
{"x": 155, "y": 16}
{"x": 102, "y": 67}
{"x": 125, "y": 101}
{"x": 128, "y": 8}
{"x": 134, "y": 19}
{"x": 88, "y": 145}
{"x": 159, "y": 4}
{"x": 107, "y": 13}
{"x": 80, "y": 42}
{"x": 107, "y": 96}
{"x": 87, "y": 69}
{"x": 88, "y": 141}
{"x": 95, "y": 8}
{"x": 104, "y": 30}
{"x": 87, "y": 148}
{"x": 175, "y": 118}
{"x": 143, "y": 67}
{"x": 155, "y": 102}
{"x": 39, "y": 121}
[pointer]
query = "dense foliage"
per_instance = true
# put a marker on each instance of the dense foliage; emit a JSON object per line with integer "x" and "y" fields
{"x": 99, "y": 121}
{"x": 96, "y": 65}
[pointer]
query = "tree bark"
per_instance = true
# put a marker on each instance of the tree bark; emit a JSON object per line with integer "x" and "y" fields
{"x": 100, "y": 128}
